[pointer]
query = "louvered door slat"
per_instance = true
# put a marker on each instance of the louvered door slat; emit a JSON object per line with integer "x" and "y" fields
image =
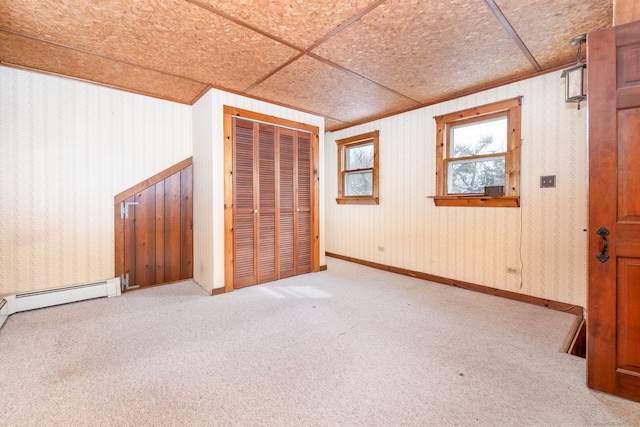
{"x": 243, "y": 167}
{"x": 243, "y": 192}
{"x": 267, "y": 253}
{"x": 287, "y": 258}
{"x": 244, "y": 249}
{"x": 286, "y": 186}
{"x": 303, "y": 223}
{"x": 286, "y": 172}
{"x": 267, "y": 203}
{"x": 267, "y": 167}
{"x": 304, "y": 242}
{"x": 272, "y": 184}
{"x": 304, "y": 171}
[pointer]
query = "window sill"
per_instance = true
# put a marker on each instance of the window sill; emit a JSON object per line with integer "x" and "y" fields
{"x": 478, "y": 201}
{"x": 357, "y": 201}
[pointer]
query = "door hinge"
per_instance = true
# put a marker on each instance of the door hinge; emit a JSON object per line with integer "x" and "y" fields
{"x": 124, "y": 209}
{"x": 124, "y": 282}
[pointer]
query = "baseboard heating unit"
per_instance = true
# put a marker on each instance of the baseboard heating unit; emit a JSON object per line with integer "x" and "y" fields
{"x": 49, "y": 297}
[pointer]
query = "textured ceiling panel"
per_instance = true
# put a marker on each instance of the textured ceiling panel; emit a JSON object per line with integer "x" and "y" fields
{"x": 546, "y": 26}
{"x": 301, "y": 23}
{"x": 389, "y": 55}
{"x": 331, "y": 124}
{"x": 52, "y": 58}
{"x": 171, "y": 36}
{"x": 428, "y": 49}
{"x": 313, "y": 85}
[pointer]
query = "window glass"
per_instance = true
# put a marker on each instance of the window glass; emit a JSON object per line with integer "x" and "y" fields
{"x": 471, "y": 176}
{"x": 485, "y": 137}
{"x": 359, "y": 183}
{"x": 360, "y": 157}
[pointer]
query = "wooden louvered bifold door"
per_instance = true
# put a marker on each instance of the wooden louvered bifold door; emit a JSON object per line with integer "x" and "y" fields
{"x": 272, "y": 202}
{"x": 303, "y": 201}
{"x": 287, "y": 242}
{"x": 243, "y": 201}
{"x": 266, "y": 189}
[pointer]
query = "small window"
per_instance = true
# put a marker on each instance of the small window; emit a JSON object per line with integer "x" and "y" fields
{"x": 478, "y": 156}
{"x": 358, "y": 169}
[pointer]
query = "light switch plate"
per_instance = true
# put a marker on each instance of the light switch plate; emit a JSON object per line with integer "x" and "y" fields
{"x": 548, "y": 181}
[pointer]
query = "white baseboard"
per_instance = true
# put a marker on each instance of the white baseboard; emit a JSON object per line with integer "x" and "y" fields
{"x": 49, "y": 297}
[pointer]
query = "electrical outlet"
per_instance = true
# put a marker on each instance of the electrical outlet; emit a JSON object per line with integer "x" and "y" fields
{"x": 548, "y": 181}
{"x": 381, "y": 248}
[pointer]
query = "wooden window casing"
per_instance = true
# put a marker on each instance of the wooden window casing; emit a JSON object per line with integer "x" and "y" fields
{"x": 511, "y": 109}
{"x": 343, "y": 146}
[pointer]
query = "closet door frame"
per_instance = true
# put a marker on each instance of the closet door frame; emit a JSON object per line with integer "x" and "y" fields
{"x": 229, "y": 113}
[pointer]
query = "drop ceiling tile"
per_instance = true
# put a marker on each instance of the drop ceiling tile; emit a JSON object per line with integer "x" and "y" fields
{"x": 38, "y": 55}
{"x": 315, "y": 86}
{"x": 547, "y": 26}
{"x": 298, "y": 22}
{"x": 428, "y": 49}
{"x": 171, "y": 36}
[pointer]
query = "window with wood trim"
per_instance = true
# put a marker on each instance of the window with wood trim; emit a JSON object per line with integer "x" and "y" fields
{"x": 358, "y": 169}
{"x": 478, "y": 156}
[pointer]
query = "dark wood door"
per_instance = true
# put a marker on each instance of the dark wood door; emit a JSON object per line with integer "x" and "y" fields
{"x": 154, "y": 230}
{"x": 613, "y": 306}
{"x": 272, "y": 202}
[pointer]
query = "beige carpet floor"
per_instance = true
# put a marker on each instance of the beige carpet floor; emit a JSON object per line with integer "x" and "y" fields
{"x": 350, "y": 346}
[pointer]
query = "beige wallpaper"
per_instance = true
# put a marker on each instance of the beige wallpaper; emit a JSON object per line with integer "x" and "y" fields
{"x": 203, "y": 205}
{"x": 66, "y": 148}
{"x": 208, "y": 157}
{"x": 544, "y": 239}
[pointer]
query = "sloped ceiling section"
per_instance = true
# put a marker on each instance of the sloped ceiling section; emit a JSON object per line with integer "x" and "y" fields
{"x": 347, "y": 60}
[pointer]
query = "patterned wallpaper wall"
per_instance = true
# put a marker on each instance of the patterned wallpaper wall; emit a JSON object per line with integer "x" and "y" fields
{"x": 208, "y": 157}
{"x": 544, "y": 239}
{"x": 67, "y": 148}
{"x": 203, "y": 205}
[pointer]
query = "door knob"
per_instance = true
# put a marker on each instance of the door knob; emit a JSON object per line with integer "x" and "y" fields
{"x": 603, "y": 256}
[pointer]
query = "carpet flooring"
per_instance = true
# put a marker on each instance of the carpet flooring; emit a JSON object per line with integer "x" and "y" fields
{"x": 350, "y": 346}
